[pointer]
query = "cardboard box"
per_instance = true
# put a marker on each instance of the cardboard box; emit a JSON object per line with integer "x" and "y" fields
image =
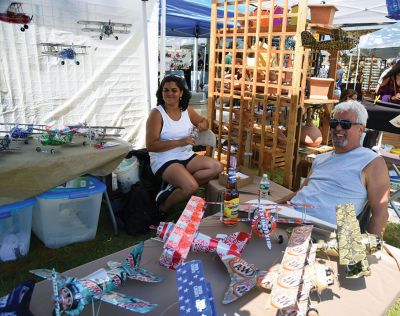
{"x": 244, "y": 175}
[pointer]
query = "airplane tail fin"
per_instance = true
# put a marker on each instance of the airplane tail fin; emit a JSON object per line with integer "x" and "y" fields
{"x": 133, "y": 260}
{"x": 243, "y": 277}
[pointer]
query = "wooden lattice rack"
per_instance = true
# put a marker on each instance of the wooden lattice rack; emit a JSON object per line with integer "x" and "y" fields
{"x": 257, "y": 78}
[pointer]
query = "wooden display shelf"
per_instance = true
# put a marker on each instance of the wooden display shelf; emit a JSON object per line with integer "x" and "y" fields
{"x": 320, "y": 101}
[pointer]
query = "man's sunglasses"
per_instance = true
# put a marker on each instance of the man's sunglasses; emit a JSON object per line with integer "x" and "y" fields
{"x": 345, "y": 124}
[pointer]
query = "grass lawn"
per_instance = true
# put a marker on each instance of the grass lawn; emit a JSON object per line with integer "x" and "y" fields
{"x": 105, "y": 243}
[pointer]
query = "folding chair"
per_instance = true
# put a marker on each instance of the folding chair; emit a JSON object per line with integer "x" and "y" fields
{"x": 393, "y": 160}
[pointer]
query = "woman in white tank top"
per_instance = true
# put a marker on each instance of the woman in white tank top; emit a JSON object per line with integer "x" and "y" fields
{"x": 169, "y": 143}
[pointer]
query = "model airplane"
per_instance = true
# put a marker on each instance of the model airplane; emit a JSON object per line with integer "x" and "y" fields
{"x": 183, "y": 236}
{"x": 298, "y": 268}
{"x": 17, "y": 132}
{"x": 194, "y": 291}
{"x": 15, "y": 14}
{"x": 351, "y": 246}
{"x": 94, "y": 133}
{"x": 71, "y": 295}
{"x": 340, "y": 41}
{"x": 63, "y": 52}
{"x": 106, "y": 28}
{"x": 55, "y": 137}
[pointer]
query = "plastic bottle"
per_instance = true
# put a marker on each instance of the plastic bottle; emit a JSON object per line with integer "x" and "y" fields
{"x": 231, "y": 199}
{"x": 263, "y": 190}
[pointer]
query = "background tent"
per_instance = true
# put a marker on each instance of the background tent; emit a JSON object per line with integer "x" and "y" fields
{"x": 384, "y": 43}
{"x": 107, "y": 88}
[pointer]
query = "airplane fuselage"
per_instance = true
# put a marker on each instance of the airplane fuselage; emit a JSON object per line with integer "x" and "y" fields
{"x": 107, "y": 29}
{"x": 16, "y": 18}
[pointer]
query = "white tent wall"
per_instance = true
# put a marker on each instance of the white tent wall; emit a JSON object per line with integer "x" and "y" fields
{"x": 107, "y": 88}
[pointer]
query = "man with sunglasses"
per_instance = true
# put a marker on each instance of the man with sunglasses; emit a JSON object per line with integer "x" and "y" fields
{"x": 349, "y": 174}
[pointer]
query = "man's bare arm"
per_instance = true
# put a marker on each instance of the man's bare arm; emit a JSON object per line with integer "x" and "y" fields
{"x": 291, "y": 195}
{"x": 378, "y": 190}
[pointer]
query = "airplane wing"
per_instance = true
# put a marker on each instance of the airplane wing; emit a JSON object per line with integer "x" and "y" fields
{"x": 121, "y": 24}
{"x": 90, "y": 29}
{"x": 180, "y": 240}
{"x": 290, "y": 287}
{"x": 91, "y": 22}
{"x": 121, "y": 31}
{"x": 352, "y": 251}
{"x": 194, "y": 291}
{"x": 128, "y": 302}
{"x": 243, "y": 275}
{"x": 48, "y": 274}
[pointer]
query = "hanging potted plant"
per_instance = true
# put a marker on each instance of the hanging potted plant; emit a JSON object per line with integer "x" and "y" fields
{"x": 322, "y": 13}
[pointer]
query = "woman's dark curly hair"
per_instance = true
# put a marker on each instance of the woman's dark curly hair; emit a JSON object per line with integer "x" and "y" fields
{"x": 180, "y": 82}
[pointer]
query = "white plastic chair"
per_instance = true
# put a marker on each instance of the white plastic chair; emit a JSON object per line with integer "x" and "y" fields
{"x": 207, "y": 138}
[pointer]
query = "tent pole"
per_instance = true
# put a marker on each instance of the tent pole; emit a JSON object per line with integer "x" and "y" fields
{"x": 163, "y": 38}
{"x": 195, "y": 62}
{"x": 146, "y": 54}
{"x": 358, "y": 62}
{"x": 348, "y": 72}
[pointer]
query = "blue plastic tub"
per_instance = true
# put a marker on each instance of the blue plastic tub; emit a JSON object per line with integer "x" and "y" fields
{"x": 64, "y": 216}
{"x": 15, "y": 229}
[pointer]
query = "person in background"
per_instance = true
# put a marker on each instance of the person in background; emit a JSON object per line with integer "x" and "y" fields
{"x": 339, "y": 80}
{"x": 169, "y": 142}
{"x": 389, "y": 90}
{"x": 348, "y": 94}
{"x": 349, "y": 174}
{"x": 389, "y": 64}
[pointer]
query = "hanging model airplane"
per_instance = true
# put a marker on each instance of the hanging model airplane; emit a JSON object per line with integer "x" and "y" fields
{"x": 63, "y": 51}
{"x": 106, "y": 28}
{"x": 16, "y": 15}
{"x": 71, "y": 295}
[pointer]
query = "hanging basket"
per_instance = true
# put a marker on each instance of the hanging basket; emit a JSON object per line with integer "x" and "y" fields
{"x": 393, "y": 7}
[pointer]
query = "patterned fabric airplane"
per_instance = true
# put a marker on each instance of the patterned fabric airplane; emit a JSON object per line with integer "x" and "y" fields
{"x": 71, "y": 295}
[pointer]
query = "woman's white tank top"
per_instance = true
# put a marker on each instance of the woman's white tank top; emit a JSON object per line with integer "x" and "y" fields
{"x": 172, "y": 130}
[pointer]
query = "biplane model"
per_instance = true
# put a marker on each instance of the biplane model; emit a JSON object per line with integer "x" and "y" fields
{"x": 55, "y": 137}
{"x": 94, "y": 133}
{"x": 183, "y": 236}
{"x": 16, "y": 15}
{"x": 16, "y": 132}
{"x": 106, "y": 28}
{"x": 71, "y": 295}
{"x": 63, "y": 51}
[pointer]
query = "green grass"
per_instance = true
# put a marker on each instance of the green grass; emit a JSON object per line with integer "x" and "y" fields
{"x": 65, "y": 258}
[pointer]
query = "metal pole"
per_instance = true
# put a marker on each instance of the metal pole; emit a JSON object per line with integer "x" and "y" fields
{"x": 358, "y": 61}
{"x": 348, "y": 72}
{"x": 146, "y": 54}
{"x": 163, "y": 37}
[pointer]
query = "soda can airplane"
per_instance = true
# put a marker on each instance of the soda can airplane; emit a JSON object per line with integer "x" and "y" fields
{"x": 71, "y": 295}
{"x": 63, "y": 51}
{"x": 16, "y": 15}
{"x": 106, "y": 28}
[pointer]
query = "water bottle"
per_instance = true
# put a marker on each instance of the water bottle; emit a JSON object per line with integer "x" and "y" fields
{"x": 263, "y": 190}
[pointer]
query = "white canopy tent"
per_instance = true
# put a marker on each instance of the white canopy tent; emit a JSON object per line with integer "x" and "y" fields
{"x": 384, "y": 43}
{"x": 114, "y": 82}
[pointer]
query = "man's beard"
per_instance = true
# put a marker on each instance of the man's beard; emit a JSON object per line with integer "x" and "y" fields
{"x": 341, "y": 142}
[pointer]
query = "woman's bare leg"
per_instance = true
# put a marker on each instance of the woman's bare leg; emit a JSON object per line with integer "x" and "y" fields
{"x": 184, "y": 183}
{"x": 204, "y": 168}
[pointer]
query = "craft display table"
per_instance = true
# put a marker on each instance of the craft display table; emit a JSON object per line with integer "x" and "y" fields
{"x": 26, "y": 173}
{"x": 371, "y": 295}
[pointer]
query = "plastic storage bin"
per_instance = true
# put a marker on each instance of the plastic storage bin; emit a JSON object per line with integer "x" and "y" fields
{"x": 65, "y": 216}
{"x": 15, "y": 229}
